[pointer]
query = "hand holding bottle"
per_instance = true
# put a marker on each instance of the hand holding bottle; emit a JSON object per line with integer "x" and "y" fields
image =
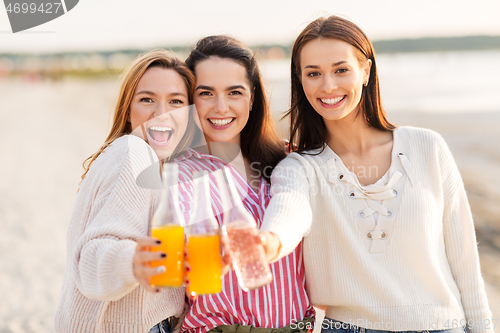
{"x": 271, "y": 243}
{"x": 142, "y": 259}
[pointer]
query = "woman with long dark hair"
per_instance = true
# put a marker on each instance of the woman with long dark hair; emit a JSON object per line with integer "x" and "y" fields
{"x": 239, "y": 131}
{"x": 389, "y": 242}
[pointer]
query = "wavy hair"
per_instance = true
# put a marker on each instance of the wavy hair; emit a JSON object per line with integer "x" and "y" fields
{"x": 307, "y": 128}
{"x": 131, "y": 77}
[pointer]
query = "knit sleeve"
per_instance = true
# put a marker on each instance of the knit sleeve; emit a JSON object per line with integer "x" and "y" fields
{"x": 120, "y": 213}
{"x": 289, "y": 213}
{"x": 461, "y": 246}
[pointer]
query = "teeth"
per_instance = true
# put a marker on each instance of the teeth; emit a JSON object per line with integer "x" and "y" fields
{"x": 221, "y": 122}
{"x": 160, "y": 129}
{"x": 332, "y": 101}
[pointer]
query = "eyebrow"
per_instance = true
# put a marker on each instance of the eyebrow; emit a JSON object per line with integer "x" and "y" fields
{"x": 333, "y": 65}
{"x": 147, "y": 92}
{"x": 238, "y": 86}
{"x": 201, "y": 87}
{"x": 178, "y": 94}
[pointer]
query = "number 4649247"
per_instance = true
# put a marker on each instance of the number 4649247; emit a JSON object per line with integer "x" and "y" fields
{"x": 47, "y": 8}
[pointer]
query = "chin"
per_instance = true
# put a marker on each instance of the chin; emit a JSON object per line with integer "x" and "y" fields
{"x": 163, "y": 153}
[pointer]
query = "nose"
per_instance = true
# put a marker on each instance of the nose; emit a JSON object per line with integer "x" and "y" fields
{"x": 328, "y": 84}
{"x": 162, "y": 110}
{"x": 221, "y": 105}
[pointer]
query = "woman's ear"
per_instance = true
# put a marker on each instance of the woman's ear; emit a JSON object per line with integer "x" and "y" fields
{"x": 366, "y": 70}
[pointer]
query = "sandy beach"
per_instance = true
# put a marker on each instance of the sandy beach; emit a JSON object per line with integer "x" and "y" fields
{"x": 49, "y": 128}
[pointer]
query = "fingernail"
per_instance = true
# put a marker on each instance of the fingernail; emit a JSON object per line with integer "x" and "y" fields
{"x": 185, "y": 255}
{"x": 187, "y": 282}
{"x": 163, "y": 255}
{"x": 161, "y": 269}
{"x": 158, "y": 242}
{"x": 188, "y": 269}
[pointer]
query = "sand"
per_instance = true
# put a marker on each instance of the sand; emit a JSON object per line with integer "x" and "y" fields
{"x": 49, "y": 128}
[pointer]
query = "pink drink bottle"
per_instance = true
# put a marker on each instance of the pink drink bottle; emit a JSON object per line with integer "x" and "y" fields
{"x": 249, "y": 260}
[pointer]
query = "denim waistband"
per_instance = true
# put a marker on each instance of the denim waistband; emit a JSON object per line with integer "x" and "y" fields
{"x": 161, "y": 327}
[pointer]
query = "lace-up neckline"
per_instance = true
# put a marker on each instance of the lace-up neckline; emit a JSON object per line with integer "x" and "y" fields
{"x": 374, "y": 193}
{"x": 376, "y": 206}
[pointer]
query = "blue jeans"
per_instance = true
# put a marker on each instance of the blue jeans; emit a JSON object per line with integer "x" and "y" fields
{"x": 334, "y": 326}
{"x": 161, "y": 327}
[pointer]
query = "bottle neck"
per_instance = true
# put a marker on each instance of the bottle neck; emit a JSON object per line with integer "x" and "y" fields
{"x": 202, "y": 220}
{"x": 238, "y": 211}
{"x": 168, "y": 212}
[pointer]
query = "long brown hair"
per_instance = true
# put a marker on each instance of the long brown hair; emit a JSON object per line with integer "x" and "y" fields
{"x": 307, "y": 128}
{"x": 131, "y": 77}
{"x": 259, "y": 142}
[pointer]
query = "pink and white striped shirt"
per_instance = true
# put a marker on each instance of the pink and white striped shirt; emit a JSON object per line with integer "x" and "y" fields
{"x": 278, "y": 304}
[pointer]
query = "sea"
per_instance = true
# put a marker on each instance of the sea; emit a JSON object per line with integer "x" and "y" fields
{"x": 431, "y": 82}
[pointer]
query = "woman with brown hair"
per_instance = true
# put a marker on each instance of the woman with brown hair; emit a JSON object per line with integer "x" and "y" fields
{"x": 236, "y": 121}
{"x": 104, "y": 288}
{"x": 389, "y": 241}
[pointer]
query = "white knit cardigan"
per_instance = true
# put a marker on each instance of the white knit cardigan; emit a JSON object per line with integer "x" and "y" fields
{"x": 100, "y": 292}
{"x": 395, "y": 256}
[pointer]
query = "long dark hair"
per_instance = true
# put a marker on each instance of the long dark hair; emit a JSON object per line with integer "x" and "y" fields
{"x": 259, "y": 142}
{"x": 307, "y": 128}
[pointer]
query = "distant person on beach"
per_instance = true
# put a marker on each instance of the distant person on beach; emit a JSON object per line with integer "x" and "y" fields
{"x": 105, "y": 286}
{"x": 388, "y": 236}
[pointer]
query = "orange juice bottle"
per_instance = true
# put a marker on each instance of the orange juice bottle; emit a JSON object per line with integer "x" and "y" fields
{"x": 203, "y": 242}
{"x": 168, "y": 227}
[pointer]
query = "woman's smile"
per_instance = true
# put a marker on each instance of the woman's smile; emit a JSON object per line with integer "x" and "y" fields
{"x": 221, "y": 123}
{"x": 160, "y": 134}
{"x": 329, "y": 102}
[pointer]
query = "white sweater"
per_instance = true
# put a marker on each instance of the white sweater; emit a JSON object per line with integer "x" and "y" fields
{"x": 395, "y": 256}
{"x": 100, "y": 292}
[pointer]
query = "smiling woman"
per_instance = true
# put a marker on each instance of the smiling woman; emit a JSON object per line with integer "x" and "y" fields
{"x": 223, "y": 108}
{"x": 158, "y": 111}
{"x": 105, "y": 287}
{"x": 389, "y": 250}
{"x": 233, "y": 112}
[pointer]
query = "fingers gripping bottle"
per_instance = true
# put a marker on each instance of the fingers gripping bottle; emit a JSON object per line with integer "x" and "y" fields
{"x": 168, "y": 226}
{"x": 249, "y": 260}
{"x": 204, "y": 251}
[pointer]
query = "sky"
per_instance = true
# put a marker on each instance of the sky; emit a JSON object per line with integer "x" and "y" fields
{"x": 100, "y": 25}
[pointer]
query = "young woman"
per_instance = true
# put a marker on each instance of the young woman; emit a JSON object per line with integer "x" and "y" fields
{"x": 389, "y": 239}
{"x": 233, "y": 112}
{"x": 114, "y": 207}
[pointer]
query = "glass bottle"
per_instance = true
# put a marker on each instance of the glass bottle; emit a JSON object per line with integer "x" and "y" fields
{"x": 204, "y": 251}
{"x": 168, "y": 227}
{"x": 249, "y": 260}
